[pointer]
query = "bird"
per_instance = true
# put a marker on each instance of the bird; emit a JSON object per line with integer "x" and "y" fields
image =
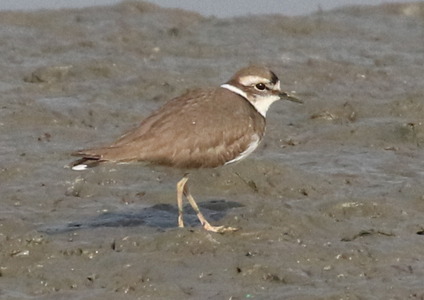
{"x": 203, "y": 128}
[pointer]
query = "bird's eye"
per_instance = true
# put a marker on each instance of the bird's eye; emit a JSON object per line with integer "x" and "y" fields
{"x": 260, "y": 86}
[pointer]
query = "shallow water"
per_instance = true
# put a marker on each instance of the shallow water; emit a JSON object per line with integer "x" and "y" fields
{"x": 217, "y": 8}
{"x": 329, "y": 207}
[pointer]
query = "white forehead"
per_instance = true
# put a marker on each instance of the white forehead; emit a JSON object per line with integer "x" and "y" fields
{"x": 252, "y": 79}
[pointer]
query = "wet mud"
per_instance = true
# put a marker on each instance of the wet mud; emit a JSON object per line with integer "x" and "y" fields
{"x": 329, "y": 207}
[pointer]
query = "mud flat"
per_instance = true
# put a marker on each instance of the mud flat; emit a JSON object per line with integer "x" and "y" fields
{"x": 330, "y": 207}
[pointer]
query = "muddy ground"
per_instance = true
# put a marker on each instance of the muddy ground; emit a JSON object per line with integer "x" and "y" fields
{"x": 329, "y": 207}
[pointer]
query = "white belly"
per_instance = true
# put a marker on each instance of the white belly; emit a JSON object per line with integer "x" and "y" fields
{"x": 252, "y": 146}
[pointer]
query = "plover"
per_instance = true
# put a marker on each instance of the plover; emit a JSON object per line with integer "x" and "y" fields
{"x": 203, "y": 128}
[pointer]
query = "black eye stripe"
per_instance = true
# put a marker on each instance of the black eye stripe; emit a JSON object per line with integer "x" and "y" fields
{"x": 274, "y": 78}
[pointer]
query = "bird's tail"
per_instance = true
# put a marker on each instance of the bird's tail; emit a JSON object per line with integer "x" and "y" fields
{"x": 84, "y": 163}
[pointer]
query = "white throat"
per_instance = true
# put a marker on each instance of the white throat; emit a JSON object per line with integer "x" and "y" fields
{"x": 264, "y": 103}
{"x": 261, "y": 105}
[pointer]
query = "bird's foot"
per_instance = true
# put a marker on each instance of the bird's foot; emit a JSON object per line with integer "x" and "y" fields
{"x": 219, "y": 229}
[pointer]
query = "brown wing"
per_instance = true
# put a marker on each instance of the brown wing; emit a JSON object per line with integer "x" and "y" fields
{"x": 201, "y": 129}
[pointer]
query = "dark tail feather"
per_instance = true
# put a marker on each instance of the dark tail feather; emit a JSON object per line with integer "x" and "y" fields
{"x": 84, "y": 163}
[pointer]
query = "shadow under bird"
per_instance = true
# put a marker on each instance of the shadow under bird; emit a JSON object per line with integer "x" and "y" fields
{"x": 204, "y": 128}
